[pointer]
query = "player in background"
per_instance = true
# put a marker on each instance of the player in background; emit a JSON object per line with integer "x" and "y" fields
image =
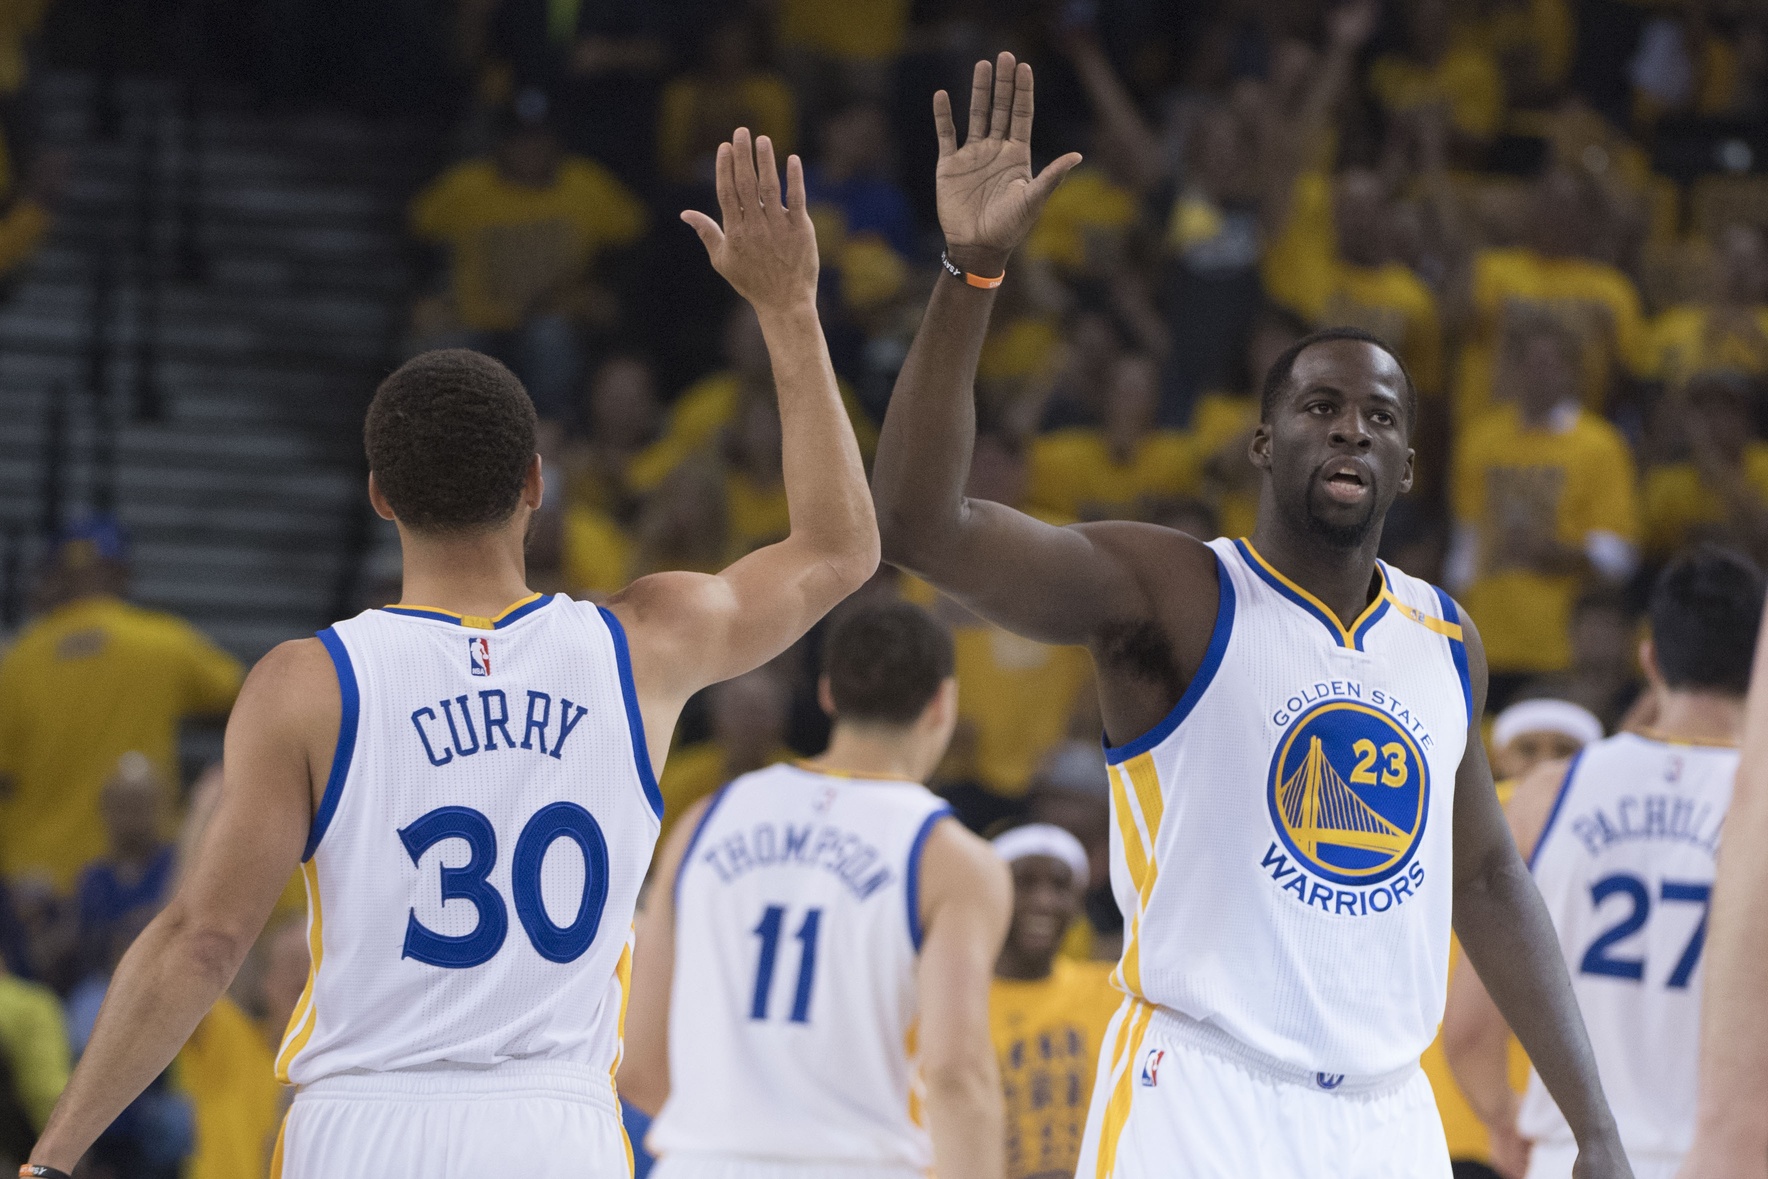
{"x": 1047, "y": 1012}
{"x": 1622, "y": 840}
{"x": 1299, "y": 787}
{"x": 810, "y": 991}
{"x": 419, "y": 763}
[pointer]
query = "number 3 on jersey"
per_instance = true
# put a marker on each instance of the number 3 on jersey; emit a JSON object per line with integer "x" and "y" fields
{"x": 772, "y": 919}
{"x": 471, "y": 883}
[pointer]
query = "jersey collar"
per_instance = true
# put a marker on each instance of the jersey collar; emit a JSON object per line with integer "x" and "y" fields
{"x": 511, "y": 613}
{"x": 1350, "y": 637}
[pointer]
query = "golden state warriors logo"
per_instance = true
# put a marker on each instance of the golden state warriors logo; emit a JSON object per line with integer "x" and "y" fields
{"x": 1349, "y": 791}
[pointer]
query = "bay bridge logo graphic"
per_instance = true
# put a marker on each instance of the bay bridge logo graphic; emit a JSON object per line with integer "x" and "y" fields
{"x": 1349, "y": 792}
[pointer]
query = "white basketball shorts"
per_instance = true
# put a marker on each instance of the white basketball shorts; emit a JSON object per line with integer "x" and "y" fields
{"x": 1167, "y": 1106}
{"x": 536, "y": 1119}
{"x": 714, "y": 1166}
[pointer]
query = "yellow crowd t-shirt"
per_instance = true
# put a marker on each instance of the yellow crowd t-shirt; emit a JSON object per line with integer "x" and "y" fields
{"x": 516, "y": 248}
{"x": 227, "y": 1070}
{"x": 1074, "y": 473}
{"x": 1046, "y": 1037}
{"x": 1678, "y": 502}
{"x": 1581, "y": 478}
{"x": 84, "y": 685}
{"x": 1467, "y": 79}
{"x": 1017, "y": 696}
{"x": 1685, "y": 340}
{"x": 1593, "y": 299}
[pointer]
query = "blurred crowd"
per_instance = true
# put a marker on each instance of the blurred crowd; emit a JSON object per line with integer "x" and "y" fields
{"x": 1554, "y": 209}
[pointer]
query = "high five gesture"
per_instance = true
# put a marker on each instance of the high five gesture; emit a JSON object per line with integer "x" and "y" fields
{"x": 988, "y": 197}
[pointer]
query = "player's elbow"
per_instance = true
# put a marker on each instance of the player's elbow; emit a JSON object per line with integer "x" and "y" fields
{"x": 907, "y": 533}
{"x": 210, "y": 949}
{"x": 961, "y": 1078}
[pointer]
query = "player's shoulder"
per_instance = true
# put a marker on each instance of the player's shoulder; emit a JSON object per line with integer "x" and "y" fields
{"x": 959, "y": 865}
{"x": 1533, "y": 798}
{"x": 297, "y": 677}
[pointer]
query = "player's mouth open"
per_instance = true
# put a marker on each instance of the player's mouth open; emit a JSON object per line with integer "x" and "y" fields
{"x": 1347, "y": 482}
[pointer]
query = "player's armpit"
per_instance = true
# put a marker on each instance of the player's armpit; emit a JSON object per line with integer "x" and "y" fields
{"x": 279, "y": 741}
{"x": 643, "y": 1079}
{"x": 967, "y": 899}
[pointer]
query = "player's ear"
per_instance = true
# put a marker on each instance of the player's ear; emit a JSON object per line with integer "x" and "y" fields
{"x": 825, "y": 696}
{"x": 534, "y": 485}
{"x": 1649, "y": 664}
{"x": 1410, "y": 472}
{"x": 382, "y": 508}
{"x": 1260, "y": 449}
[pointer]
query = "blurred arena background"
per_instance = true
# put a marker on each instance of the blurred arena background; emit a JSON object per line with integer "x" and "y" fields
{"x": 224, "y": 222}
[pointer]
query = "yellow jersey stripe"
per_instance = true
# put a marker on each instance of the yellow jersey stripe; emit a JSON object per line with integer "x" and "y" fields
{"x": 623, "y": 975}
{"x": 1128, "y": 973}
{"x": 305, "y": 1016}
{"x": 282, "y": 1128}
{"x": 1428, "y": 621}
{"x": 472, "y": 621}
{"x": 1152, "y": 806}
{"x": 1117, "y": 1112}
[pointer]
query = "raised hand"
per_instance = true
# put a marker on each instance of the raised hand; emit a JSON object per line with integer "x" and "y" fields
{"x": 766, "y": 248}
{"x": 988, "y": 198}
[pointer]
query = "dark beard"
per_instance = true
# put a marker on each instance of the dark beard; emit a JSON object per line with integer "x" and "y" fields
{"x": 1341, "y": 536}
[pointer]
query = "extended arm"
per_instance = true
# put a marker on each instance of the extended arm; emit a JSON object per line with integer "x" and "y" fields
{"x": 967, "y": 899}
{"x": 644, "y": 1061}
{"x": 1052, "y": 584}
{"x": 1510, "y": 941}
{"x": 689, "y": 630}
{"x": 1731, "y": 1134}
{"x": 182, "y": 962}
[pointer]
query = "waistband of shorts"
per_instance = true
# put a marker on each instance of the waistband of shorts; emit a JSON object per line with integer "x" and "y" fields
{"x": 1176, "y": 1026}
{"x": 449, "y": 1081}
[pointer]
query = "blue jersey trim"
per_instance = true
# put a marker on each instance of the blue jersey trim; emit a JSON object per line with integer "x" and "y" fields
{"x": 641, "y": 754}
{"x": 1212, "y": 661}
{"x": 350, "y": 700}
{"x": 1457, "y": 648}
{"x": 1565, "y": 787}
{"x": 913, "y": 881}
{"x": 687, "y": 854}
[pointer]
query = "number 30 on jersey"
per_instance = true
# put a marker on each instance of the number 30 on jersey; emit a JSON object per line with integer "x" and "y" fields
{"x": 471, "y": 883}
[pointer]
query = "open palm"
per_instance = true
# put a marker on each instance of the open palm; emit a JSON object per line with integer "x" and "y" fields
{"x": 988, "y": 197}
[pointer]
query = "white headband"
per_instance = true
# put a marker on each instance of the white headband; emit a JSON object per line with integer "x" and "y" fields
{"x": 1546, "y": 716}
{"x": 1044, "y": 839}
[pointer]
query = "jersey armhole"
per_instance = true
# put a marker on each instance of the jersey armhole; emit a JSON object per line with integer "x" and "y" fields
{"x": 1457, "y": 647}
{"x": 1565, "y": 786}
{"x": 350, "y": 701}
{"x": 1212, "y": 661}
{"x": 635, "y": 722}
{"x": 912, "y": 881}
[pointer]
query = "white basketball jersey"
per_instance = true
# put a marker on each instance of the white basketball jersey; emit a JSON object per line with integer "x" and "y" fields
{"x": 1625, "y": 864}
{"x": 1281, "y": 840}
{"x": 474, "y": 863}
{"x": 793, "y": 1014}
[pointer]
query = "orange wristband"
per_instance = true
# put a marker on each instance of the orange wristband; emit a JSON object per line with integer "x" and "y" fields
{"x": 975, "y": 280}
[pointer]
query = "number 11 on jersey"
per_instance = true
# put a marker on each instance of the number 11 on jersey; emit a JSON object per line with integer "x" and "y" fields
{"x": 772, "y": 920}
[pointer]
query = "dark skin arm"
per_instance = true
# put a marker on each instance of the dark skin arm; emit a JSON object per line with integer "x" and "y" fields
{"x": 1088, "y": 584}
{"x": 1511, "y": 943}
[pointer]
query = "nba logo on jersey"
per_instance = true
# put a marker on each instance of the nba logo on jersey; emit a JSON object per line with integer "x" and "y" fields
{"x": 479, "y": 654}
{"x": 1151, "y": 1066}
